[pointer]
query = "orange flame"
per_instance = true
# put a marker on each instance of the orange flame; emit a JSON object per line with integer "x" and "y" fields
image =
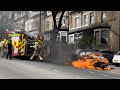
{"x": 88, "y": 62}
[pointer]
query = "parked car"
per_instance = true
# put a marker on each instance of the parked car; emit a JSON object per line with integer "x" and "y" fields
{"x": 116, "y": 59}
{"x": 108, "y": 54}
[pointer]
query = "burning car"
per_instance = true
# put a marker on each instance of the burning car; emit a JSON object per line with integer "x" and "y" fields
{"x": 91, "y": 60}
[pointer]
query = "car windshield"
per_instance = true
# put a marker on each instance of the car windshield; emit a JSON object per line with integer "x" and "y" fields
{"x": 109, "y": 52}
{"x": 118, "y": 53}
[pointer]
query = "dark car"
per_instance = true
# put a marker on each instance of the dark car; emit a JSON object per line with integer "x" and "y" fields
{"x": 108, "y": 54}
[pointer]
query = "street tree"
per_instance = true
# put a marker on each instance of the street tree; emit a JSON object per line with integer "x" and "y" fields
{"x": 56, "y": 27}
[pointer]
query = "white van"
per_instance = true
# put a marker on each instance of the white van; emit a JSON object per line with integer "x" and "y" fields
{"x": 116, "y": 59}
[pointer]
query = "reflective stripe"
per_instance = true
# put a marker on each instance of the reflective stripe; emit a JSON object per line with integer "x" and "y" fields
{"x": 21, "y": 45}
{"x": 13, "y": 35}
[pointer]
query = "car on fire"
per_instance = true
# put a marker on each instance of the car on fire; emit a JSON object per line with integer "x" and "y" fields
{"x": 91, "y": 59}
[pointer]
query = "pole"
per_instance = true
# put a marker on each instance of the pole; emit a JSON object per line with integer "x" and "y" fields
{"x": 40, "y": 23}
{"x": 119, "y": 30}
{"x": 68, "y": 27}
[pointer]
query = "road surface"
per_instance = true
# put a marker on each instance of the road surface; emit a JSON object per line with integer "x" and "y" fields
{"x": 25, "y": 69}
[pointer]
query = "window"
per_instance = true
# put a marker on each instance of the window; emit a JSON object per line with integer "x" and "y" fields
{"x": 77, "y": 22}
{"x": 63, "y": 33}
{"x": 97, "y": 39}
{"x": 57, "y": 21}
{"x": 85, "y": 19}
{"x": 80, "y": 35}
{"x": 104, "y": 37}
{"x": 71, "y": 21}
{"x": 58, "y": 36}
{"x": 63, "y": 22}
{"x": 63, "y": 36}
{"x": 47, "y": 25}
{"x": 91, "y": 18}
{"x": 15, "y": 16}
{"x": 22, "y": 13}
{"x": 10, "y": 15}
{"x": 103, "y": 15}
{"x": 71, "y": 39}
{"x": 49, "y": 12}
{"x": 52, "y": 24}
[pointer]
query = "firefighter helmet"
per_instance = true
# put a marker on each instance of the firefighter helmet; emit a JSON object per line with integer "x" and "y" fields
{"x": 4, "y": 39}
{"x": 36, "y": 43}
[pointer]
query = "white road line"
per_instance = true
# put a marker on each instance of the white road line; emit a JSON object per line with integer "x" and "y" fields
{"x": 104, "y": 74}
{"x": 91, "y": 72}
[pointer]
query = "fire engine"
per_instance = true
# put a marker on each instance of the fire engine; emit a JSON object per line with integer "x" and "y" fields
{"x": 21, "y": 44}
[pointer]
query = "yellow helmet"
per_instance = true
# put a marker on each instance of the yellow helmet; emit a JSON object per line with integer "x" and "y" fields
{"x": 4, "y": 39}
{"x": 36, "y": 43}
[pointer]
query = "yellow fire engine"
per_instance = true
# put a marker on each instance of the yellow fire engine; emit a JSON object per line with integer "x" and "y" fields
{"x": 21, "y": 44}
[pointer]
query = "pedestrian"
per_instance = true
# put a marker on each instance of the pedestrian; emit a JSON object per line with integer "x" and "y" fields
{"x": 36, "y": 51}
{"x": 9, "y": 46}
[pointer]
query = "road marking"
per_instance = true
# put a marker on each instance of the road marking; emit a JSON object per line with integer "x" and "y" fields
{"x": 91, "y": 72}
{"x": 55, "y": 70}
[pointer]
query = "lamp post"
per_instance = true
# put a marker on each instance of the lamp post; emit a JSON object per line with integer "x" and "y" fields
{"x": 40, "y": 23}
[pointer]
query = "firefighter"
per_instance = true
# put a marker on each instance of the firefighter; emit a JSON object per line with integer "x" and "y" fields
{"x": 9, "y": 50}
{"x": 41, "y": 45}
{"x": 36, "y": 52}
{"x": 3, "y": 46}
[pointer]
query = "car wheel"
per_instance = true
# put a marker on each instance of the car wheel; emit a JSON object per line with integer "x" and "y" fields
{"x": 117, "y": 64}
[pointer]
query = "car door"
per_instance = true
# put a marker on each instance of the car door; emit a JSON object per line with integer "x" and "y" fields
{"x": 116, "y": 58}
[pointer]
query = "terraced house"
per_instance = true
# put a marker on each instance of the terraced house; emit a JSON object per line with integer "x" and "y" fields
{"x": 103, "y": 25}
{"x": 48, "y": 26}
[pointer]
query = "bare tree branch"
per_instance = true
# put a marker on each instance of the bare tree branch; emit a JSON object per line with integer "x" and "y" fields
{"x": 54, "y": 14}
{"x": 60, "y": 20}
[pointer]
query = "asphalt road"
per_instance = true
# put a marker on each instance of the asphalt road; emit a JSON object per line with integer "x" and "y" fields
{"x": 24, "y": 69}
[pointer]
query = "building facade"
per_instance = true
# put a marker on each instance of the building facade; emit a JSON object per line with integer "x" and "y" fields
{"x": 18, "y": 24}
{"x": 48, "y": 26}
{"x": 32, "y": 24}
{"x": 103, "y": 25}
